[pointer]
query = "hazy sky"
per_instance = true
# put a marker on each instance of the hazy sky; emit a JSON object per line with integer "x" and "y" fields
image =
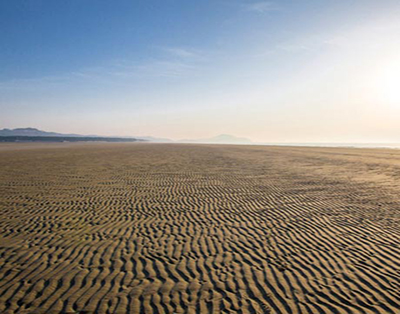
{"x": 279, "y": 71}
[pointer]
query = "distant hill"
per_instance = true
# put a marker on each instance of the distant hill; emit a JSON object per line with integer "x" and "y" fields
{"x": 39, "y": 133}
{"x": 23, "y": 134}
{"x": 220, "y": 139}
{"x": 58, "y": 139}
{"x": 35, "y": 135}
{"x": 36, "y": 132}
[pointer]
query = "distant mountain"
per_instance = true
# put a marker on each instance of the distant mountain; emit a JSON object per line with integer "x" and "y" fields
{"x": 35, "y": 135}
{"x": 60, "y": 139}
{"x": 220, "y": 139}
{"x": 36, "y": 132}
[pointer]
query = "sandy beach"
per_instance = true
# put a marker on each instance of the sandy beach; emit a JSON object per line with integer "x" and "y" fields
{"x": 169, "y": 228}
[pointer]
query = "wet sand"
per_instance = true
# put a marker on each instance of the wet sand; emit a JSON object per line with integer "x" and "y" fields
{"x": 162, "y": 228}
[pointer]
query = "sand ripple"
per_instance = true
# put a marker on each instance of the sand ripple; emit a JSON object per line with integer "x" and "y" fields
{"x": 140, "y": 228}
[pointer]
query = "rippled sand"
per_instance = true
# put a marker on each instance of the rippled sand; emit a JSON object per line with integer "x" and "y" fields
{"x": 152, "y": 228}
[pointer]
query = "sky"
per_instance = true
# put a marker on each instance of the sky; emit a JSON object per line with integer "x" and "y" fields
{"x": 272, "y": 71}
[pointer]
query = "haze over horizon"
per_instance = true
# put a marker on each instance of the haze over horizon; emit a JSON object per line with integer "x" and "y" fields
{"x": 279, "y": 71}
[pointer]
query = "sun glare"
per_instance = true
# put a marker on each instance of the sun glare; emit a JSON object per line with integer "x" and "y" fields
{"x": 388, "y": 84}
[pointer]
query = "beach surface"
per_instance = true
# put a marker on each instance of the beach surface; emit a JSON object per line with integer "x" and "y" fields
{"x": 169, "y": 228}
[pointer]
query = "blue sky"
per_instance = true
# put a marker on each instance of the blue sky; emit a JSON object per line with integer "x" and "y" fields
{"x": 283, "y": 71}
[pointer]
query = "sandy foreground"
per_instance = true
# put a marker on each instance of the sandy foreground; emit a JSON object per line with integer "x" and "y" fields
{"x": 161, "y": 228}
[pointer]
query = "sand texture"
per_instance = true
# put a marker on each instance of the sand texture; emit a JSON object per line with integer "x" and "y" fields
{"x": 155, "y": 228}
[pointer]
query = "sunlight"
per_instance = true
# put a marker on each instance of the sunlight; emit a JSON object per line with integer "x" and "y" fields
{"x": 388, "y": 83}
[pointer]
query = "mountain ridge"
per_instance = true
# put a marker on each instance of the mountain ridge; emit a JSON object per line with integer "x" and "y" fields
{"x": 34, "y": 132}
